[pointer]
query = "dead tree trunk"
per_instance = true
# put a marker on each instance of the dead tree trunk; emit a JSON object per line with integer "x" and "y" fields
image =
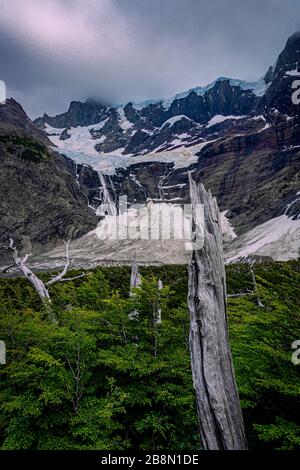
{"x": 135, "y": 281}
{"x": 160, "y": 286}
{"x": 255, "y": 288}
{"x": 218, "y": 406}
{"x": 39, "y": 286}
{"x": 135, "y": 278}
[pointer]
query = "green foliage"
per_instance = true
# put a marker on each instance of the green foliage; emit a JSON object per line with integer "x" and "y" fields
{"x": 285, "y": 433}
{"x": 27, "y": 149}
{"x": 261, "y": 339}
{"x": 96, "y": 379}
{"x": 108, "y": 376}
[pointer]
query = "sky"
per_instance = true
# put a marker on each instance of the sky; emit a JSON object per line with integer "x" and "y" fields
{"x": 55, "y": 51}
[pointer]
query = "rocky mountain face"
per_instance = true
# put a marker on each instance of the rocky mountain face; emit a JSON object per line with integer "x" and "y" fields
{"x": 78, "y": 114}
{"x": 13, "y": 119}
{"x": 286, "y": 71}
{"x": 241, "y": 139}
{"x": 135, "y": 131}
{"x": 254, "y": 176}
{"x": 41, "y": 201}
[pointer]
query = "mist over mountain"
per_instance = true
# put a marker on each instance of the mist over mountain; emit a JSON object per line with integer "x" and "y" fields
{"x": 55, "y": 52}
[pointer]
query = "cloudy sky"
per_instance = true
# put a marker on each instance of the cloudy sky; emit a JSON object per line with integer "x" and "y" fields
{"x": 53, "y": 51}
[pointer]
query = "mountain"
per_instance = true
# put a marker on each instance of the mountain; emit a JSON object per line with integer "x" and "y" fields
{"x": 78, "y": 114}
{"x": 241, "y": 139}
{"x": 146, "y": 129}
{"x": 41, "y": 202}
{"x": 286, "y": 70}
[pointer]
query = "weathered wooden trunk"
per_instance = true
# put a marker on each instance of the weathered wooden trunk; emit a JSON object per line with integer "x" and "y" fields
{"x": 135, "y": 278}
{"x": 135, "y": 281}
{"x": 218, "y": 406}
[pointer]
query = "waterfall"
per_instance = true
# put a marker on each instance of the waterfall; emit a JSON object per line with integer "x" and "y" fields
{"x": 77, "y": 175}
{"x": 107, "y": 206}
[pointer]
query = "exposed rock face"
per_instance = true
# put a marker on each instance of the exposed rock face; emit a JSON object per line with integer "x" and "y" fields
{"x": 89, "y": 182}
{"x": 13, "y": 119}
{"x": 229, "y": 100}
{"x": 142, "y": 182}
{"x": 254, "y": 176}
{"x": 138, "y": 141}
{"x": 269, "y": 75}
{"x": 65, "y": 134}
{"x": 161, "y": 138}
{"x": 154, "y": 114}
{"x": 78, "y": 114}
{"x": 41, "y": 203}
{"x": 193, "y": 106}
{"x": 112, "y": 134}
{"x": 131, "y": 114}
{"x": 279, "y": 93}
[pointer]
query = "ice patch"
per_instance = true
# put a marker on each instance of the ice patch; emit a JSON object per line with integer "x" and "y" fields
{"x": 220, "y": 118}
{"x": 174, "y": 119}
{"x": 293, "y": 73}
{"x": 80, "y": 147}
{"x": 278, "y": 238}
{"x": 124, "y": 123}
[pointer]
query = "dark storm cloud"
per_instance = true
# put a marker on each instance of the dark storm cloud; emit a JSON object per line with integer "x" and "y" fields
{"x": 53, "y": 51}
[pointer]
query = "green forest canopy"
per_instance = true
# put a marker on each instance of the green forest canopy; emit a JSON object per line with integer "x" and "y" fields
{"x": 97, "y": 379}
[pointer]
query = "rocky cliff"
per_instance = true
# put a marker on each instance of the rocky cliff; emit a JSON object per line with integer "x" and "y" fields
{"x": 41, "y": 202}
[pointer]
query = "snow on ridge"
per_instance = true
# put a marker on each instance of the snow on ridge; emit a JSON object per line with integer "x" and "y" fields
{"x": 220, "y": 118}
{"x": 260, "y": 116}
{"x": 293, "y": 73}
{"x": 52, "y": 131}
{"x": 76, "y": 130}
{"x": 174, "y": 119}
{"x": 142, "y": 104}
{"x": 124, "y": 123}
{"x": 258, "y": 87}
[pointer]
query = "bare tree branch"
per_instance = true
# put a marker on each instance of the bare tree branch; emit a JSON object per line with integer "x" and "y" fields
{"x": 60, "y": 277}
{"x": 69, "y": 262}
{"x": 40, "y": 287}
{"x": 240, "y": 294}
{"x": 74, "y": 277}
{"x": 258, "y": 300}
{"x": 7, "y": 268}
{"x": 24, "y": 260}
